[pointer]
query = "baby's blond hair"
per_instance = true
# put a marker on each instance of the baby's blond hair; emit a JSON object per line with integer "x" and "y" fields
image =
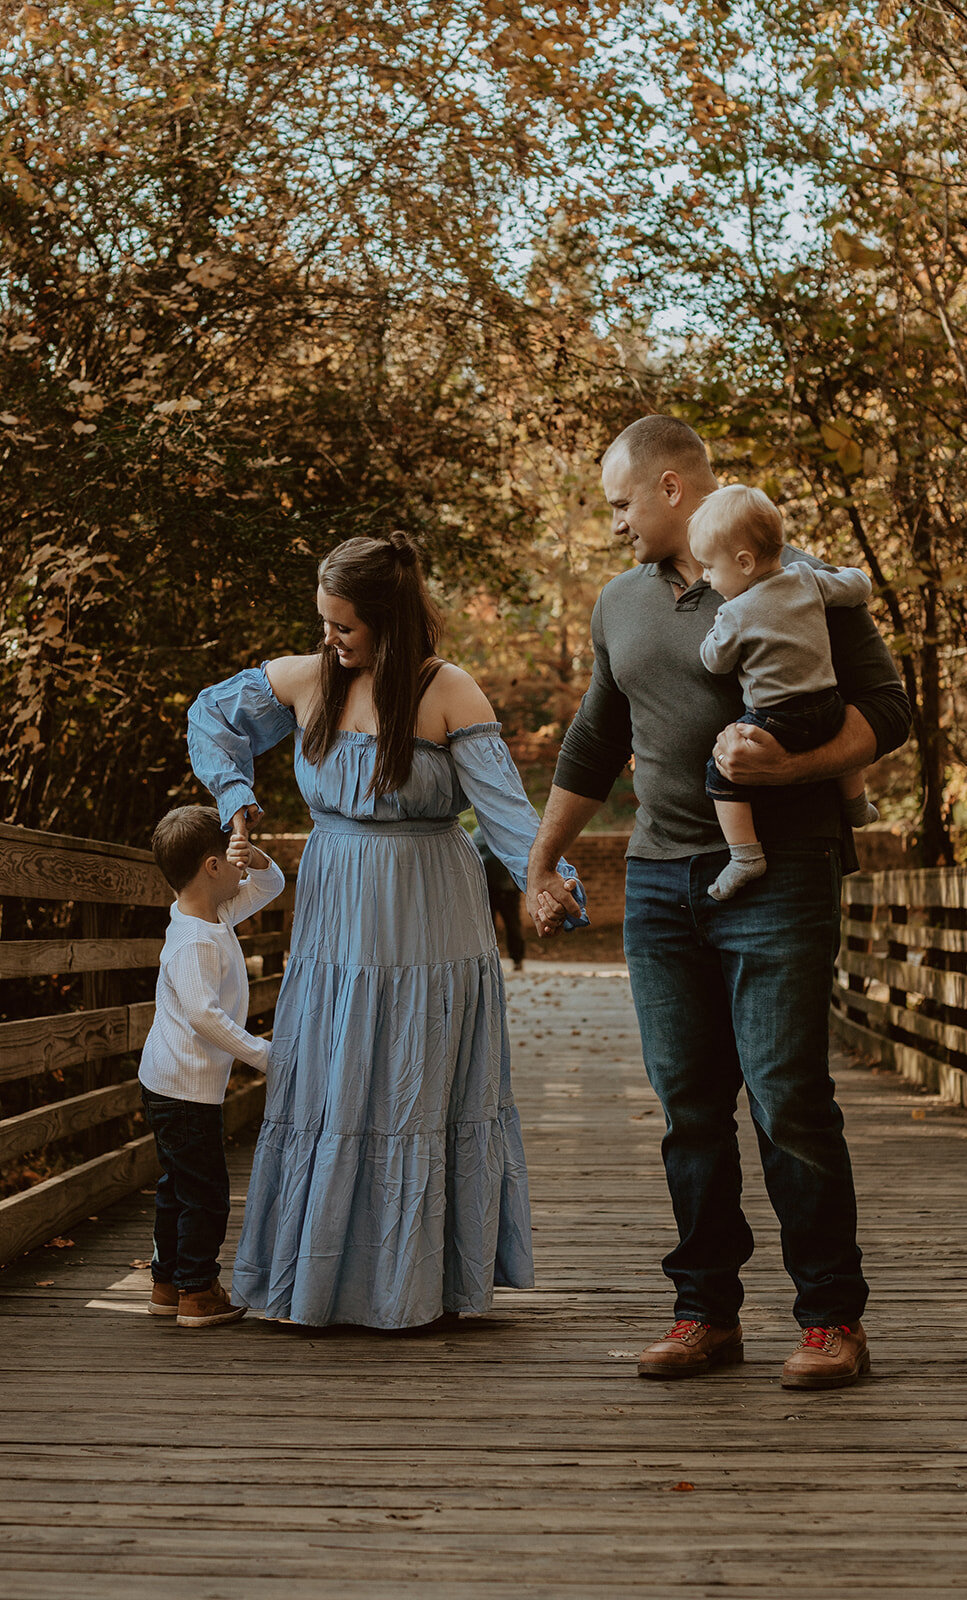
{"x": 740, "y": 516}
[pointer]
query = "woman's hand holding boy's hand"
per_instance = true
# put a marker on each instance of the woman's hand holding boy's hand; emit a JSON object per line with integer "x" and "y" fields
{"x": 242, "y": 852}
{"x": 246, "y": 854}
{"x": 239, "y": 852}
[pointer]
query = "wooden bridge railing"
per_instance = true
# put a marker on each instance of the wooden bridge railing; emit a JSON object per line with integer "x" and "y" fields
{"x": 68, "y": 1075}
{"x": 901, "y": 994}
{"x": 75, "y": 1007}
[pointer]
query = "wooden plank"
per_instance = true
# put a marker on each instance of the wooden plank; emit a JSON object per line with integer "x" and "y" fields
{"x": 950, "y": 988}
{"x": 930, "y": 886}
{"x": 264, "y": 944}
{"x": 23, "y": 958}
{"x": 916, "y": 935}
{"x": 63, "y": 1118}
{"x": 913, "y": 1064}
{"x": 45, "y": 1044}
{"x": 38, "y": 1214}
{"x": 285, "y": 849}
{"x": 883, "y": 1014}
{"x": 517, "y": 1456}
{"x": 53, "y": 867}
{"x": 262, "y": 995}
{"x": 244, "y": 1106}
{"x": 13, "y": 832}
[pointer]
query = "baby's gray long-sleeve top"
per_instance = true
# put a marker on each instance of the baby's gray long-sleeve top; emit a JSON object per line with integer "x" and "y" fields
{"x": 775, "y": 634}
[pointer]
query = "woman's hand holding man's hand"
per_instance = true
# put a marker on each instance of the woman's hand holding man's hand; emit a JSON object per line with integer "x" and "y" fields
{"x": 549, "y": 901}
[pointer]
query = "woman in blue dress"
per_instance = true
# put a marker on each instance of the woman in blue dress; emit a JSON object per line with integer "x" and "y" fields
{"x": 389, "y": 1183}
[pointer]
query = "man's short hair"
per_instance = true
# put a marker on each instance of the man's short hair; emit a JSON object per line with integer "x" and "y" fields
{"x": 740, "y": 516}
{"x": 183, "y": 839}
{"x": 654, "y": 445}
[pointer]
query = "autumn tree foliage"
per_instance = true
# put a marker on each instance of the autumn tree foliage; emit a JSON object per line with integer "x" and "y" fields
{"x": 276, "y": 274}
{"x": 813, "y": 231}
{"x": 265, "y": 287}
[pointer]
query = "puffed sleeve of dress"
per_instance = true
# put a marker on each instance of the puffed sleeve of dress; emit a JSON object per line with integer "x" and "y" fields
{"x": 508, "y": 821}
{"x": 228, "y": 726}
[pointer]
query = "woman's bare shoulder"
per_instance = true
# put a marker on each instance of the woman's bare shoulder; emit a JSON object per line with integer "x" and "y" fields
{"x": 458, "y": 697}
{"x": 292, "y": 677}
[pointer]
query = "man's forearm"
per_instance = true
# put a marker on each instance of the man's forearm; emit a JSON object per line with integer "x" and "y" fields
{"x": 854, "y": 746}
{"x": 564, "y": 817}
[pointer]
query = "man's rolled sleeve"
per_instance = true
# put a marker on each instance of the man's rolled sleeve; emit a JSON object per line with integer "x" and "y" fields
{"x": 866, "y": 676}
{"x": 598, "y": 742}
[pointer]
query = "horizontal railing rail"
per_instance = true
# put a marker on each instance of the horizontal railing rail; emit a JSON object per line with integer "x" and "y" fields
{"x": 68, "y": 1073}
{"x": 901, "y": 987}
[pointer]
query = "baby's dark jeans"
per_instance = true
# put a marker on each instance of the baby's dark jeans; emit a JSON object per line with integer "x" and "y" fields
{"x": 802, "y": 722}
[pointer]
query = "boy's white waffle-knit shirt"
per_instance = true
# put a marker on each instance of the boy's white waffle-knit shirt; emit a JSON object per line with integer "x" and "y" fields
{"x": 202, "y": 999}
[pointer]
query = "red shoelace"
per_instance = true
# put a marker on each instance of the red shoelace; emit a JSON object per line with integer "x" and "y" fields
{"x": 819, "y": 1338}
{"x": 684, "y": 1326}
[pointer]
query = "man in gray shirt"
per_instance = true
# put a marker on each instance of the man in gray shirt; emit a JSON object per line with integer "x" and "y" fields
{"x": 737, "y": 990}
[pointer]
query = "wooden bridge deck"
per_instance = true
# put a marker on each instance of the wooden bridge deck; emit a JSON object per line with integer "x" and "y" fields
{"x": 518, "y": 1455}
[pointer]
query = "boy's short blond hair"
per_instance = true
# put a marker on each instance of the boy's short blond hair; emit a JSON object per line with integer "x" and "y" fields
{"x": 740, "y": 516}
{"x": 183, "y": 839}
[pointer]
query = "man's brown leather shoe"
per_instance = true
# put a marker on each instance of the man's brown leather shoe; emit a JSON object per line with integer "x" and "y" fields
{"x": 690, "y": 1348}
{"x": 202, "y": 1308}
{"x": 164, "y": 1300}
{"x": 827, "y": 1358}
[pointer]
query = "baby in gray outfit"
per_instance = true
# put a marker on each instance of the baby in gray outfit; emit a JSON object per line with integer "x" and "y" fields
{"x": 772, "y": 628}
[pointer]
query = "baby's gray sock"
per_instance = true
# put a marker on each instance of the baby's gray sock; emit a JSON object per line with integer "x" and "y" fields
{"x": 859, "y": 811}
{"x": 748, "y": 862}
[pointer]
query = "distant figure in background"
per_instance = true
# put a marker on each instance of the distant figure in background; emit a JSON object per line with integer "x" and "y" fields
{"x": 504, "y": 897}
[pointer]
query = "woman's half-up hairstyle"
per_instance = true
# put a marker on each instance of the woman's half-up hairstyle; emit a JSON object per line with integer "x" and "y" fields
{"x": 383, "y": 581}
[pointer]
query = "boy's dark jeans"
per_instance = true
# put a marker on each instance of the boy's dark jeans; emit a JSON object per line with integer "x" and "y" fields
{"x": 191, "y": 1199}
{"x": 803, "y": 722}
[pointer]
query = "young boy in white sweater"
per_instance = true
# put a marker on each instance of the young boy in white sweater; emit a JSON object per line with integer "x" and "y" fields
{"x": 772, "y": 628}
{"x": 197, "y": 1032}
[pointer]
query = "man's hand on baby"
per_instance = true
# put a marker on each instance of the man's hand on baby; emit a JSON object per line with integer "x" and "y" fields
{"x": 746, "y": 754}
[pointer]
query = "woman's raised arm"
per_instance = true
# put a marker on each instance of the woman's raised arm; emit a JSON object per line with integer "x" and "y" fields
{"x": 228, "y": 726}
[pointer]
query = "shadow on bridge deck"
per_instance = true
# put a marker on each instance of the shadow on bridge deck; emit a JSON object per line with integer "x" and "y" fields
{"x": 518, "y": 1455}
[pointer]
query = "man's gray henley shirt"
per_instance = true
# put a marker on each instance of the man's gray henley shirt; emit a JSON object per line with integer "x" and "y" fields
{"x": 651, "y": 697}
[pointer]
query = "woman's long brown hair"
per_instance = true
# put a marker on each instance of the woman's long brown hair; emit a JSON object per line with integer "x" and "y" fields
{"x": 383, "y": 582}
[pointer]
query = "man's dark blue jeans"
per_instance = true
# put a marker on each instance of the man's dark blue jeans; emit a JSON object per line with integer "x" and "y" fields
{"x": 736, "y": 990}
{"x": 191, "y": 1198}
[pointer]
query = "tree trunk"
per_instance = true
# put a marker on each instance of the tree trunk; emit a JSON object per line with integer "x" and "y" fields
{"x": 935, "y": 848}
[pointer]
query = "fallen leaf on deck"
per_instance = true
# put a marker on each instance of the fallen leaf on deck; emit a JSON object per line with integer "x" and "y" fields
{"x": 682, "y": 1486}
{"x": 59, "y": 1244}
{"x": 137, "y": 1262}
{"x": 44, "y": 1283}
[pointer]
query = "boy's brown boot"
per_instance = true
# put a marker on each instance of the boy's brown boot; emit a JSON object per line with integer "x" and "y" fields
{"x": 164, "y": 1300}
{"x": 202, "y": 1308}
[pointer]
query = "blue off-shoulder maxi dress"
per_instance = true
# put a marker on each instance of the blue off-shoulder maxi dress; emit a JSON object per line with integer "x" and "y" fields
{"x": 389, "y": 1182}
